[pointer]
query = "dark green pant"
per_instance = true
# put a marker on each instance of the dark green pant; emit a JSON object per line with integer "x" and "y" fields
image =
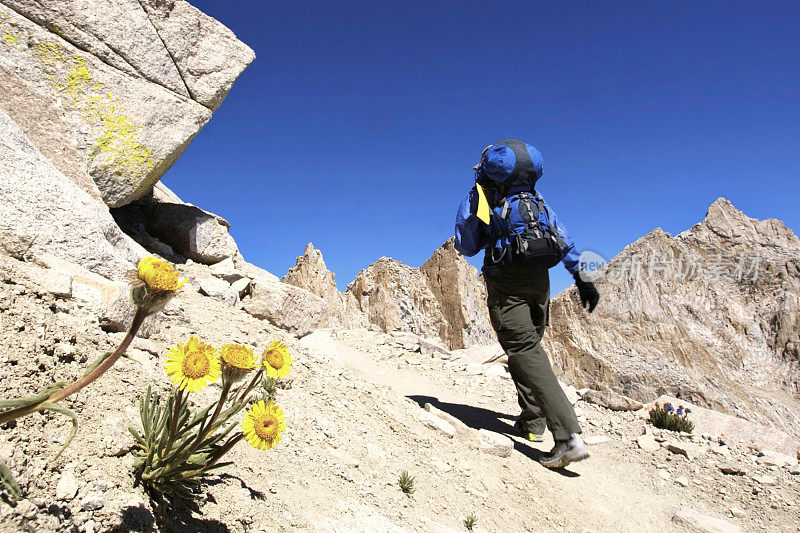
{"x": 518, "y": 307}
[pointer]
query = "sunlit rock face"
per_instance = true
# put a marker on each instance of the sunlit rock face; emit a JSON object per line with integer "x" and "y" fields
{"x": 112, "y": 91}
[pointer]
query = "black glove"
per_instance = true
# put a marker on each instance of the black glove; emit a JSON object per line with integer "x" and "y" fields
{"x": 587, "y": 291}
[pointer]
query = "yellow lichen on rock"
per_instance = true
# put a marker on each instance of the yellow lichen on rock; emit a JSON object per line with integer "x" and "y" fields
{"x": 117, "y": 147}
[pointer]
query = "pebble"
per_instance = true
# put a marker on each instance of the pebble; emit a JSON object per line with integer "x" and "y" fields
{"x": 67, "y": 487}
{"x": 93, "y": 501}
{"x": 682, "y": 481}
{"x": 663, "y": 473}
{"x": 596, "y": 439}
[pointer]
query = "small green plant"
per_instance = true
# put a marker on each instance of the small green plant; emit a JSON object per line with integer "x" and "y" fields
{"x": 406, "y": 482}
{"x": 667, "y": 417}
{"x": 176, "y": 448}
{"x": 470, "y": 521}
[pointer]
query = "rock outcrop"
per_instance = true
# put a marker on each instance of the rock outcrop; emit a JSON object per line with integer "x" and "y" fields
{"x": 125, "y": 86}
{"x": 311, "y": 274}
{"x": 444, "y": 298}
{"x": 396, "y": 297}
{"x": 462, "y": 298}
{"x": 710, "y": 316}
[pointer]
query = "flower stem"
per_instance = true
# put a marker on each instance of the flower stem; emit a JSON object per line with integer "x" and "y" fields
{"x": 252, "y": 384}
{"x": 59, "y": 395}
{"x": 173, "y": 423}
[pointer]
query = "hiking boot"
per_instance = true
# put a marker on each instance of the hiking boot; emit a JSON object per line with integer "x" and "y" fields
{"x": 533, "y": 437}
{"x": 565, "y": 452}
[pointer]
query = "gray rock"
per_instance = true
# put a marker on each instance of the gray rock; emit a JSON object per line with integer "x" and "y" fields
{"x": 496, "y": 370}
{"x": 118, "y": 316}
{"x": 773, "y": 458}
{"x": 688, "y": 449}
{"x": 732, "y": 469}
{"x": 697, "y": 521}
{"x": 93, "y": 501}
{"x": 611, "y": 400}
{"x": 124, "y": 88}
{"x": 285, "y": 306}
{"x": 594, "y": 440}
{"x": 43, "y": 212}
{"x": 683, "y": 481}
{"x": 208, "y": 55}
{"x": 219, "y": 290}
{"x": 648, "y": 443}
{"x": 227, "y": 270}
{"x": 67, "y": 487}
{"x": 26, "y": 509}
{"x": 495, "y": 443}
{"x": 191, "y": 232}
{"x": 434, "y": 422}
{"x": 765, "y": 479}
{"x": 242, "y": 287}
{"x": 56, "y": 283}
{"x": 736, "y": 512}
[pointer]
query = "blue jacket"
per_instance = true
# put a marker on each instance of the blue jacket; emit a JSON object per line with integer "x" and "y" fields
{"x": 472, "y": 235}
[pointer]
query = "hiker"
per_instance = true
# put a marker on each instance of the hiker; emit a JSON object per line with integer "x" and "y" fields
{"x": 505, "y": 215}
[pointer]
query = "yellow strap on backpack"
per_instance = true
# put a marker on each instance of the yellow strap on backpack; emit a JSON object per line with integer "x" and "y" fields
{"x": 484, "y": 213}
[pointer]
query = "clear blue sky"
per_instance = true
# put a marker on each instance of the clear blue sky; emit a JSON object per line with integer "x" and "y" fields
{"x": 358, "y": 123}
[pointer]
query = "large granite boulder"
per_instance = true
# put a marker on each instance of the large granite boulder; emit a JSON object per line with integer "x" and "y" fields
{"x": 285, "y": 306}
{"x": 43, "y": 212}
{"x": 125, "y": 86}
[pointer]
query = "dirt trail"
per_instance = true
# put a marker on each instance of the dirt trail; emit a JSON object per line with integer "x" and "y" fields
{"x": 608, "y": 492}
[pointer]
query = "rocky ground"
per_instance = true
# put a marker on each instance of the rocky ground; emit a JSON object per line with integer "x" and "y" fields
{"x": 361, "y": 407}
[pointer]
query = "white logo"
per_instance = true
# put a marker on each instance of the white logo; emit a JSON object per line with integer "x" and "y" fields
{"x": 591, "y": 265}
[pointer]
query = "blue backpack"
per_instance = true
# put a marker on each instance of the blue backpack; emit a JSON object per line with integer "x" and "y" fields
{"x": 520, "y": 231}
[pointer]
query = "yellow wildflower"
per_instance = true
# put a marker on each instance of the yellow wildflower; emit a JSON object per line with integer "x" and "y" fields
{"x": 238, "y": 357}
{"x": 262, "y": 425}
{"x": 159, "y": 275}
{"x": 193, "y": 366}
{"x": 277, "y": 361}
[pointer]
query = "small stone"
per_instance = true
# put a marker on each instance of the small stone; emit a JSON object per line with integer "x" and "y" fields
{"x": 474, "y": 369}
{"x": 495, "y": 370}
{"x": 26, "y": 509}
{"x": 648, "y": 443}
{"x": 436, "y": 423}
{"x": 663, "y": 473}
{"x": 773, "y": 458}
{"x": 683, "y": 481}
{"x": 219, "y": 290}
{"x": 696, "y": 521}
{"x": 93, "y": 501}
{"x": 594, "y": 440}
{"x": 765, "y": 480}
{"x": 732, "y": 469}
{"x": 795, "y": 470}
{"x": 736, "y": 512}
{"x": 689, "y": 450}
{"x": 611, "y": 400}
{"x": 241, "y": 286}
{"x": 495, "y": 443}
{"x": 67, "y": 487}
{"x": 56, "y": 283}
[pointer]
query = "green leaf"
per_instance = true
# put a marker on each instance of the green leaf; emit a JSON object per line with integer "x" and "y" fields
{"x": 9, "y": 484}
